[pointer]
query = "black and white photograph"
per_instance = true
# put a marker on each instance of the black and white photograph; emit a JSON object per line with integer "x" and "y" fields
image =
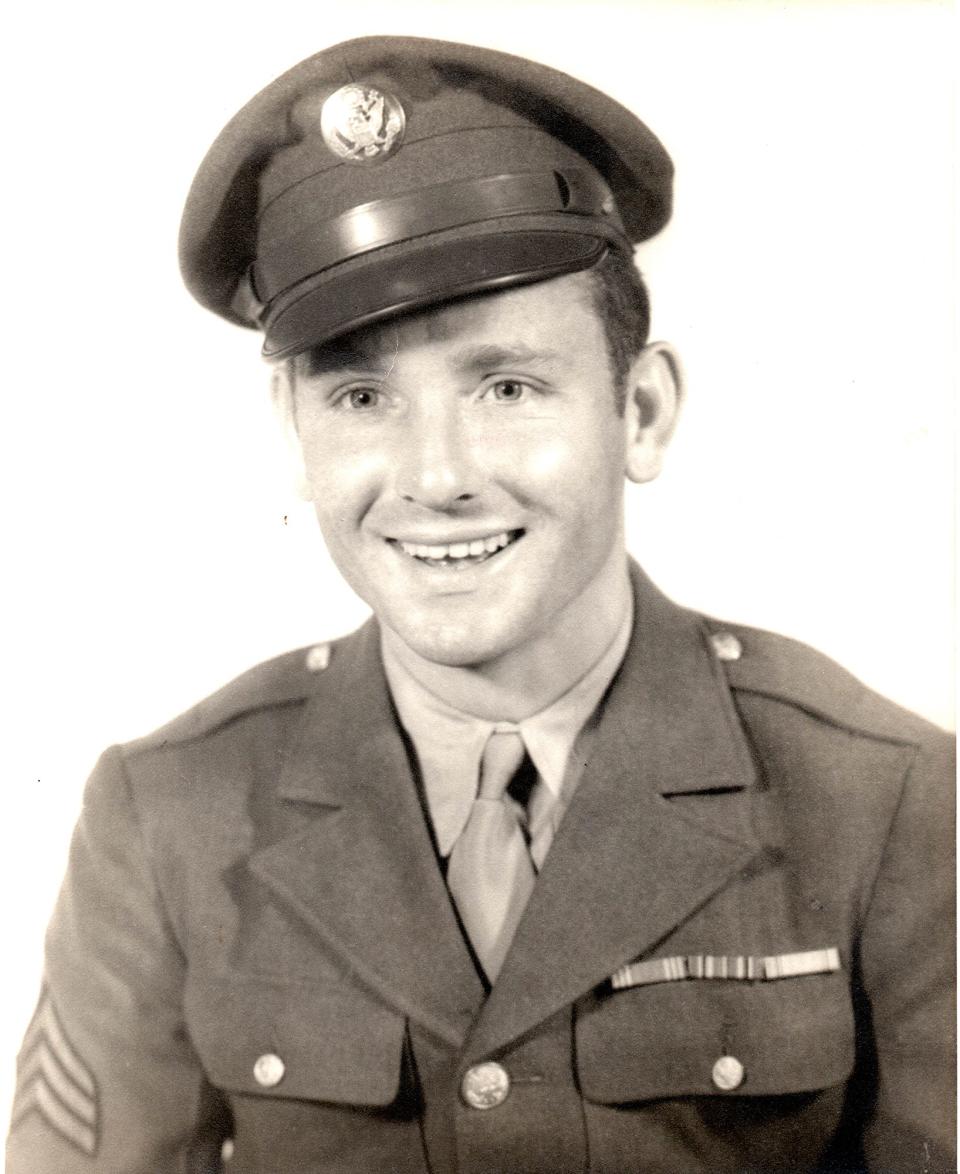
{"x": 480, "y": 593}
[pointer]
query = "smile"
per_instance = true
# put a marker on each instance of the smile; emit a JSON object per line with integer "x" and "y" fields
{"x": 458, "y": 554}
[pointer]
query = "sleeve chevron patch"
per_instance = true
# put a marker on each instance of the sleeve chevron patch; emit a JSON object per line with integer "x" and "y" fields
{"x": 54, "y": 1081}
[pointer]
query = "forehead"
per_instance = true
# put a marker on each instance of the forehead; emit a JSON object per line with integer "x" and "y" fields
{"x": 547, "y": 317}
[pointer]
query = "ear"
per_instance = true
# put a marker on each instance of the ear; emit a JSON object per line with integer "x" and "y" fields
{"x": 655, "y": 393}
{"x": 283, "y": 396}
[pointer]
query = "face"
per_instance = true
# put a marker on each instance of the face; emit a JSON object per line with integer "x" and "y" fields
{"x": 467, "y": 466}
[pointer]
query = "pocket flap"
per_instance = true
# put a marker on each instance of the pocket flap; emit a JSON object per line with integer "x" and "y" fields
{"x": 333, "y": 1043}
{"x": 664, "y": 1041}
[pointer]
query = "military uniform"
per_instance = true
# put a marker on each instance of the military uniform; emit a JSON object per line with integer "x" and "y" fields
{"x": 737, "y": 955}
{"x": 255, "y": 941}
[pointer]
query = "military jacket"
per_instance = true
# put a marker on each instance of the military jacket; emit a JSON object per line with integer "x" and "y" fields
{"x": 255, "y": 965}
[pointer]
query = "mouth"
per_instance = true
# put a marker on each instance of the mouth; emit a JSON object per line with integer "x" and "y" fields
{"x": 458, "y": 555}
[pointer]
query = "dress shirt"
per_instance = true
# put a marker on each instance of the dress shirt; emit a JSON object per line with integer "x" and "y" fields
{"x": 449, "y": 744}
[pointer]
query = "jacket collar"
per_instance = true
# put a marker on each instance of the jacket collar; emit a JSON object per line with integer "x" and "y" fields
{"x": 626, "y": 866}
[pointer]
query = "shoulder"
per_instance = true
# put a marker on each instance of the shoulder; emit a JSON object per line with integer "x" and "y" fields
{"x": 837, "y": 759}
{"x": 282, "y": 683}
{"x": 786, "y": 674}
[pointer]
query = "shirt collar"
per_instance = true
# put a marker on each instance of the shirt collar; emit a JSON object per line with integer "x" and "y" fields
{"x": 449, "y": 742}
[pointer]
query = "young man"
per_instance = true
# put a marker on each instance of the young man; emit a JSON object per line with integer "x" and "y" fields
{"x": 537, "y": 872}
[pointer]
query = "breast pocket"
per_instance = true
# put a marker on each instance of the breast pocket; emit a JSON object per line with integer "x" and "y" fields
{"x": 710, "y": 1037}
{"x": 330, "y": 1043}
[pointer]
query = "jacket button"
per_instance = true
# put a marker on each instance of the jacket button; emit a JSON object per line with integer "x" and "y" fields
{"x": 728, "y": 1073}
{"x": 485, "y": 1086}
{"x": 317, "y": 658}
{"x": 268, "y": 1070}
{"x": 726, "y": 646}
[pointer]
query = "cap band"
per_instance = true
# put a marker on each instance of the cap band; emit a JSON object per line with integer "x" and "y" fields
{"x": 291, "y": 250}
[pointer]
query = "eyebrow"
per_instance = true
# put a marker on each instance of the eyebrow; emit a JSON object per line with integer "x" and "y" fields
{"x": 490, "y": 356}
{"x": 341, "y": 356}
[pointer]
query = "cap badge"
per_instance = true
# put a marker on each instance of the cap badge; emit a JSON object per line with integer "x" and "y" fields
{"x": 361, "y": 124}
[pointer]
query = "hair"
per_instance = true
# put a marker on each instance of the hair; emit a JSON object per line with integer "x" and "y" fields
{"x": 621, "y": 301}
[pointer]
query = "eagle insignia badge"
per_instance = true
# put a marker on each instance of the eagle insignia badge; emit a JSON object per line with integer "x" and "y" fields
{"x": 361, "y": 124}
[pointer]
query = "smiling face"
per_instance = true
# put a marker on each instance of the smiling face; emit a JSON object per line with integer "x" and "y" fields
{"x": 467, "y": 465}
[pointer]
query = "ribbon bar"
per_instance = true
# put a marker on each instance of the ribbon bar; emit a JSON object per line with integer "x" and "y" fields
{"x": 737, "y": 968}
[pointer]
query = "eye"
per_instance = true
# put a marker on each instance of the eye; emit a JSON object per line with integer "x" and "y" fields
{"x": 360, "y": 399}
{"x": 510, "y": 391}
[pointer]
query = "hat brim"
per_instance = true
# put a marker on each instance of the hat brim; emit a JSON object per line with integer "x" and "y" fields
{"x": 421, "y": 273}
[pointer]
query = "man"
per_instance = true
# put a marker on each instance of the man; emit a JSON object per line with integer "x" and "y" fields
{"x": 537, "y": 871}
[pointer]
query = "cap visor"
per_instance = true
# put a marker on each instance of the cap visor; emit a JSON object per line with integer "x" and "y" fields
{"x": 418, "y": 274}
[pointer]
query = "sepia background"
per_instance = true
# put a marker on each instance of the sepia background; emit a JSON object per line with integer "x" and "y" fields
{"x": 154, "y": 548}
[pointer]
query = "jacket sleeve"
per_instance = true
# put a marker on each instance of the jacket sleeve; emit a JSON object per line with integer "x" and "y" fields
{"x": 908, "y": 973}
{"x": 107, "y": 1079}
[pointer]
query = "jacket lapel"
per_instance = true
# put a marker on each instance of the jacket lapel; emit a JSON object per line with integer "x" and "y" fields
{"x": 363, "y": 871}
{"x": 659, "y": 823}
{"x": 629, "y": 862}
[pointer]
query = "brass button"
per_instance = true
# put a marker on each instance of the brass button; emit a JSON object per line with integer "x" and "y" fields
{"x": 318, "y": 657}
{"x": 268, "y": 1070}
{"x": 485, "y": 1086}
{"x": 728, "y": 1073}
{"x": 726, "y": 646}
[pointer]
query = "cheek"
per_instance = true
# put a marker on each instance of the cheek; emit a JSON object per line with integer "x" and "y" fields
{"x": 580, "y": 462}
{"x": 531, "y": 457}
{"x": 549, "y": 460}
{"x": 342, "y": 481}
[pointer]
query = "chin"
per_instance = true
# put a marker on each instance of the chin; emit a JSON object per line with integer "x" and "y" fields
{"x": 456, "y": 649}
{"x": 457, "y": 645}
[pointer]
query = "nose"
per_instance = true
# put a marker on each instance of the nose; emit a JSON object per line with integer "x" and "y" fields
{"x": 437, "y": 468}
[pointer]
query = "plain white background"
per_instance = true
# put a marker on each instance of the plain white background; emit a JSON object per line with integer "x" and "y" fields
{"x": 153, "y": 544}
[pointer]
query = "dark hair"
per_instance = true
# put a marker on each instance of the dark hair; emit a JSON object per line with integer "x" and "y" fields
{"x": 620, "y": 299}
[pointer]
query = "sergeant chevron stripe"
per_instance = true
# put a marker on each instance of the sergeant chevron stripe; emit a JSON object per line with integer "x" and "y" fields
{"x": 54, "y": 1081}
{"x": 737, "y": 967}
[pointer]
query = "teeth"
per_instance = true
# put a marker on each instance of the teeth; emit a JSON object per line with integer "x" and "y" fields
{"x": 455, "y": 550}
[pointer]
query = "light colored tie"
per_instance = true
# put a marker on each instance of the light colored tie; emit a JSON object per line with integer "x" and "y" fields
{"x": 490, "y": 874}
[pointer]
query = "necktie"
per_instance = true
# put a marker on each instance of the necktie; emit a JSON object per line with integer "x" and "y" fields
{"x": 490, "y": 873}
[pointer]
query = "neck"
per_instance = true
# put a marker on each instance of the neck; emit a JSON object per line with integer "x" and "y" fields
{"x": 527, "y": 679}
